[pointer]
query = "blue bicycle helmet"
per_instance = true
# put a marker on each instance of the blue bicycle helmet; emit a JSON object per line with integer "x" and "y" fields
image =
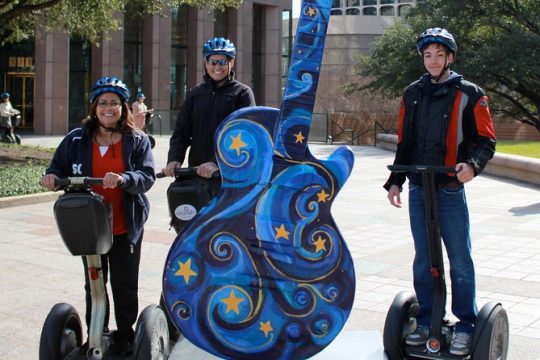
{"x": 5, "y": 95}
{"x": 436, "y": 35}
{"x": 109, "y": 84}
{"x": 140, "y": 95}
{"x": 219, "y": 46}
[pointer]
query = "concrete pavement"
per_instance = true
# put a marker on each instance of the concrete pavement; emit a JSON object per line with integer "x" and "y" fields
{"x": 37, "y": 270}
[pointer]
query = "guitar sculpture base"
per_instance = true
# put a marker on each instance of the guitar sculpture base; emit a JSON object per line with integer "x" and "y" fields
{"x": 348, "y": 345}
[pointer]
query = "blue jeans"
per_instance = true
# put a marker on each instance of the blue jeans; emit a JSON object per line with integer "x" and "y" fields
{"x": 454, "y": 226}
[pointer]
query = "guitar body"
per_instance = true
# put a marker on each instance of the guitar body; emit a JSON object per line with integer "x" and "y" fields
{"x": 262, "y": 271}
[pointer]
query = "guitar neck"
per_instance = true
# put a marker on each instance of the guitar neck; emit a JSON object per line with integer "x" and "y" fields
{"x": 299, "y": 95}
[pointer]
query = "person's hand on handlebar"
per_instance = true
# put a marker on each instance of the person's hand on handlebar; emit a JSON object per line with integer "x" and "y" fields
{"x": 112, "y": 180}
{"x": 47, "y": 181}
{"x": 465, "y": 172}
{"x": 207, "y": 169}
{"x": 394, "y": 196}
{"x": 169, "y": 169}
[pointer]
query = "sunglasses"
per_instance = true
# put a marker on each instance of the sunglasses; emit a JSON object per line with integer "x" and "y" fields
{"x": 215, "y": 62}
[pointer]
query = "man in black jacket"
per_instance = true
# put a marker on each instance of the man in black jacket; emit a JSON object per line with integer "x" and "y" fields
{"x": 205, "y": 107}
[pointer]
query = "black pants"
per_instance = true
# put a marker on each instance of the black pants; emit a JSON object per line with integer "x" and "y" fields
{"x": 123, "y": 266}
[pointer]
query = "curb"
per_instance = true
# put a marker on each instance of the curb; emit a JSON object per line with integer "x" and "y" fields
{"x": 509, "y": 166}
{"x": 28, "y": 199}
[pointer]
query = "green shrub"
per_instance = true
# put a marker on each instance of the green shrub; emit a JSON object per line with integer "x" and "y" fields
{"x": 21, "y": 179}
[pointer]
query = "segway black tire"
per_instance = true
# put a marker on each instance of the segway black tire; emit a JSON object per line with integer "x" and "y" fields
{"x": 18, "y": 139}
{"x": 152, "y": 141}
{"x": 174, "y": 333}
{"x": 61, "y": 333}
{"x": 399, "y": 323}
{"x": 491, "y": 334}
{"x": 152, "y": 335}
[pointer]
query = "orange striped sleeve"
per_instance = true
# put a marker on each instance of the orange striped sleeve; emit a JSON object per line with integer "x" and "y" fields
{"x": 483, "y": 118}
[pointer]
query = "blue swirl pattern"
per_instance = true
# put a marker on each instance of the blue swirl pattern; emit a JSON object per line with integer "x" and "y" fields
{"x": 263, "y": 271}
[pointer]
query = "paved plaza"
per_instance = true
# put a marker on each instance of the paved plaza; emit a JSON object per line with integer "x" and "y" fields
{"x": 37, "y": 270}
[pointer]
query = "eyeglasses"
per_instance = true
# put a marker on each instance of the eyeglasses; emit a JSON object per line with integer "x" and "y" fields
{"x": 214, "y": 62}
{"x": 113, "y": 104}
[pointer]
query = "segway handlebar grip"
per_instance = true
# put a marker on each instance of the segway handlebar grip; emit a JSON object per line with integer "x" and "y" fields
{"x": 187, "y": 173}
{"x": 422, "y": 168}
{"x": 78, "y": 181}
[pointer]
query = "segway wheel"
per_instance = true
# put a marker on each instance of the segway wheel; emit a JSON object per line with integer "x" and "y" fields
{"x": 491, "y": 333}
{"x": 152, "y": 335}
{"x": 152, "y": 141}
{"x": 399, "y": 323}
{"x": 17, "y": 139}
{"x": 61, "y": 333}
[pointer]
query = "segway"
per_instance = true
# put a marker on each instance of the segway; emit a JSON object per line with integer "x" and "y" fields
{"x": 490, "y": 337}
{"x": 188, "y": 194}
{"x": 62, "y": 335}
{"x": 149, "y": 120}
{"x": 8, "y": 125}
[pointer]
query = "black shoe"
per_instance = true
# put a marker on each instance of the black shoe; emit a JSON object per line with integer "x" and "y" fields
{"x": 122, "y": 344}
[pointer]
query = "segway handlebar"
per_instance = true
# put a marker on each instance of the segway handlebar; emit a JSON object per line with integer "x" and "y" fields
{"x": 422, "y": 168}
{"x": 78, "y": 181}
{"x": 186, "y": 173}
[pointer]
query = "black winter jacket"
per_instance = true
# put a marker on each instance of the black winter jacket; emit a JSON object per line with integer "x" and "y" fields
{"x": 73, "y": 157}
{"x": 443, "y": 125}
{"x": 204, "y": 108}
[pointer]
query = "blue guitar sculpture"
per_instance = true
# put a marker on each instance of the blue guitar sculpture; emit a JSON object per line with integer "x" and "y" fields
{"x": 262, "y": 272}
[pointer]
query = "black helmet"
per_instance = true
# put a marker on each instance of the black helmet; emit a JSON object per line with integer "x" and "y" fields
{"x": 109, "y": 84}
{"x": 436, "y": 35}
{"x": 219, "y": 46}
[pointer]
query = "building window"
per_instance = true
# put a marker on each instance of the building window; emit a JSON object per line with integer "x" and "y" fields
{"x": 221, "y": 23}
{"x": 353, "y": 11}
{"x": 405, "y": 1}
{"x": 369, "y": 2}
{"x": 178, "y": 72}
{"x": 387, "y": 11}
{"x": 371, "y": 11}
{"x": 404, "y": 10}
{"x": 336, "y": 12}
{"x": 336, "y": 3}
{"x": 133, "y": 44}
{"x": 79, "y": 81}
{"x": 257, "y": 70}
{"x": 384, "y": 2}
{"x": 351, "y": 3}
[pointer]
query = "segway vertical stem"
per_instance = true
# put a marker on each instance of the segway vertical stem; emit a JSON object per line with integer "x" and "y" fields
{"x": 436, "y": 259}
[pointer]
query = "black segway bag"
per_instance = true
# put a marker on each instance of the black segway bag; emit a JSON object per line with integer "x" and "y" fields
{"x": 84, "y": 222}
{"x": 186, "y": 198}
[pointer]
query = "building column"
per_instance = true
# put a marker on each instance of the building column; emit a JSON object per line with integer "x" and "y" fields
{"x": 157, "y": 67}
{"x": 241, "y": 30}
{"x": 51, "y": 83}
{"x": 108, "y": 57}
{"x": 272, "y": 55}
{"x": 201, "y": 28}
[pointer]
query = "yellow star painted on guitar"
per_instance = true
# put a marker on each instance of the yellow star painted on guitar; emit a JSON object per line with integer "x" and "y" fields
{"x": 185, "y": 270}
{"x": 237, "y": 143}
{"x": 232, "y": 303}
{"x": 322, "y": 196}
{"x": 311, "y": 11}
{"x": 320, "y": 244}
{"x": 266, "y": 327}
{"x": 299, "y": 137}
{"x": 281, "y": 232}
